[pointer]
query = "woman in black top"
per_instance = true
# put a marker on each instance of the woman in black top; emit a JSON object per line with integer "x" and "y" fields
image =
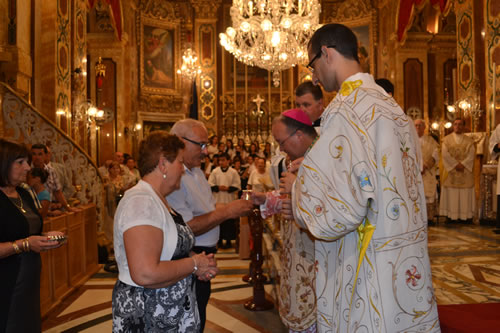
{"x": 21, "y": 241}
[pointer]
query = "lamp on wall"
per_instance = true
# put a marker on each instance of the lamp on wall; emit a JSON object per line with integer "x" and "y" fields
{"x": 87, "y": 113}
{"x": 135, "y": 130}
{"x": 271, "y": 34}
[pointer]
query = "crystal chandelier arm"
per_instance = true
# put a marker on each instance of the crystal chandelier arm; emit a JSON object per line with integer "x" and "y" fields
{"x": 271, "y": 34}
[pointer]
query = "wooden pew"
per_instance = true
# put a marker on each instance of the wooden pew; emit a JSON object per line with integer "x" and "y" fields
{"x": 66, "y": 268}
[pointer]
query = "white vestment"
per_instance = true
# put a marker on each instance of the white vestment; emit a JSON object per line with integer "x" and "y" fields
{"x": 230, "y": 178}
{"x": 297, "y": 297}
{"x": 494, "y": 140}
{"x": 430, "y": 157}
{"x": 296, "y": 290}
{"x": 260, "y": 182}
{"x": 457, "y": 192}
{"x": 359, "y": 191}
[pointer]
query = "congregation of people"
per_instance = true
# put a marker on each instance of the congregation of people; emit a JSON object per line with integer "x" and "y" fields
{"x": 346, "y": 186}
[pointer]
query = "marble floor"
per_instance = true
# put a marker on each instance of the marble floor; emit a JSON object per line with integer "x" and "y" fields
{"x": 466, "y": 270}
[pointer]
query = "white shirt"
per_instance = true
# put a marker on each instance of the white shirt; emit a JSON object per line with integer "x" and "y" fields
{"x": 141, "y": 206}
{"x": 261, "y": 182}
{"x": 195, "y": 198}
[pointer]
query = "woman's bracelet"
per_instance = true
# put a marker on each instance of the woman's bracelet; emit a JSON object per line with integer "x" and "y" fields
{"x": 16, "y": 248}
{"x": 195, "y": 268}
{"x": 26, "y": 245}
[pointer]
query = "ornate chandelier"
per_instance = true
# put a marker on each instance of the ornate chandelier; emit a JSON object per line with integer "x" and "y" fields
{"x": 189, "y": 68}
{"x": 271, "y": 34}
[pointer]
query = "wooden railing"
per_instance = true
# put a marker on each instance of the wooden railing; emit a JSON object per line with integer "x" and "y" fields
{"x": 69, "y": 266}
{"x": 21, "y": 122}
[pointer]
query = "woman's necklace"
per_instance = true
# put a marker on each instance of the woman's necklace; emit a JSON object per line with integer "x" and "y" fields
{"x": 19, "y": 206}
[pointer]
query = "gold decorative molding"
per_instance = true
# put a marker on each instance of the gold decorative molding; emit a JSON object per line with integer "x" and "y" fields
{"x": 159, "y": 9}
{"x": 346, "y": 10}
{"x": 206, "y": 9}
{"x": 186, "y": 13}
{"x": 161, "y": 104}
{"x": 155, "y": 117}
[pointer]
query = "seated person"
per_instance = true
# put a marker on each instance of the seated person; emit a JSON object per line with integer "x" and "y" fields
{"x": 63, "y": 173}
{"x": 259, "y": 179}
{"x": 53, "y": 184}
{"x": 115, "y": 178}
{"x": 103, "y": 169}
{"x": 136, "y": 176}
{"x": 36, "y": 178}
{"x": 213, "y": 164}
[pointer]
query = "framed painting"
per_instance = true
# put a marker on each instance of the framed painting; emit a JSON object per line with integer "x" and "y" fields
{"x": 152, "y": 121}
{"x": 150, "y": 126}
{"x": 363, "y": 29}
{"x": 159, "y": 53}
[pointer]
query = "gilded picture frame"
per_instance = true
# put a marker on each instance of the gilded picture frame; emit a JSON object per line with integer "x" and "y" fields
{"x": 151, "y": 121}
{"x": 159, "y": 56}
{"x": 364, "y": 30}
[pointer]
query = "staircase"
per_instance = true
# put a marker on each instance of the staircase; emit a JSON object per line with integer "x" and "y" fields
{"x": 22, "y": 123}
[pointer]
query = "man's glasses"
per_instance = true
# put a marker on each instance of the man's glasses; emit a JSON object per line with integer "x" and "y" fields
{"x": 203, "y": 145}
{"x": 318, "y": 55}
{"x": 288, "y": 137}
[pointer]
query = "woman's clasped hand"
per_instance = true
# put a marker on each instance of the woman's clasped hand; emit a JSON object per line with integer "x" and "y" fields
{"x": 206, "y": 266}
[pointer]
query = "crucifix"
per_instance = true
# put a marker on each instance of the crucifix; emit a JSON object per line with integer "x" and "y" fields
{"x": 258, "y": 101}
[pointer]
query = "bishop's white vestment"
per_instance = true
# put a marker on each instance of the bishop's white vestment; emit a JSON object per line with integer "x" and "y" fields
{"x": 296, "y": 289}
{"x": 457, "y": 192}
{"x": 359, "y": 191}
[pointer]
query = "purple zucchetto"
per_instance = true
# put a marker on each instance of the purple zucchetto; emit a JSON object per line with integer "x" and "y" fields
{"x": 298, "y": 115}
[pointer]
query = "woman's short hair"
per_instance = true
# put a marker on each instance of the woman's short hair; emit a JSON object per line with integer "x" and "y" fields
{"x": 41, "y": 173}
{"x": 9, "y": 152}
{"x": 155, "y": 145}
{"x": 113, "y": 164}
{"x": 212, "y": 138}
